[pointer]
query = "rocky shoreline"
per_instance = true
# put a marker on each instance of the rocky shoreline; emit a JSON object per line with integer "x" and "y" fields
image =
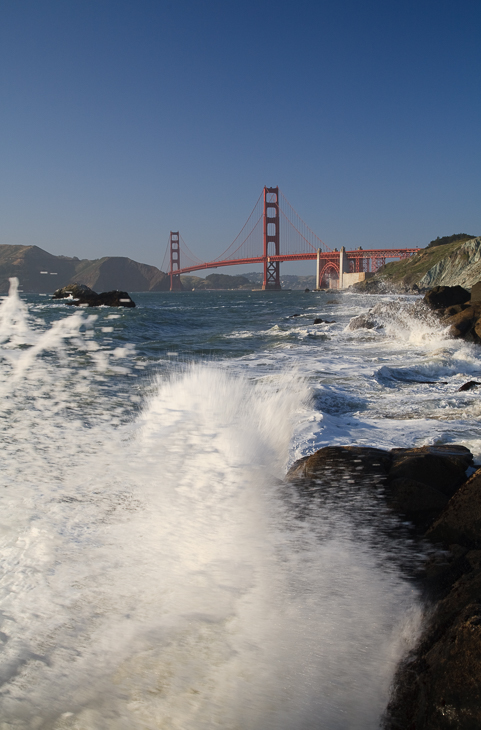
{"x": 438, "y": 490}
{"x": 438, "y": 685}
{"x": 457, "y": 308}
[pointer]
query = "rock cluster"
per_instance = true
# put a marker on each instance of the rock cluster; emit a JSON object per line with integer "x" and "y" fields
{"x": 438, "y": 686}
{"x": 80, "y": 295}
{"x": 459, "y": 309}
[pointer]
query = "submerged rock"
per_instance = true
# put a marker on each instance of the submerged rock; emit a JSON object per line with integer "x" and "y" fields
{"x": 80, "y": 295}
{"x": 469, "y": 385}
{"x": 318, "y": 320}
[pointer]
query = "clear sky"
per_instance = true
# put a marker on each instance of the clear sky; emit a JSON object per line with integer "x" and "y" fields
{"x": 124, "y": 119}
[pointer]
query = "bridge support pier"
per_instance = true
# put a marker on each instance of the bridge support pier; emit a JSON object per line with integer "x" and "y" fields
{"x": 175, "y": 283}
{"x": 271, "y": 239}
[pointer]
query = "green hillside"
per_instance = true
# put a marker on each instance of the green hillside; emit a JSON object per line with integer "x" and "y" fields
{"x": 406, "y": 273}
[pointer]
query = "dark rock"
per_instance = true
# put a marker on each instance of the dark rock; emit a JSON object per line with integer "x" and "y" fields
{"x": 456, "y": 309}
{"x": 477, "y": 330}
{"x": 439, "y": 686}
{"x": 462, "y": 323}
{"x": 79, "y": 292}
{"x": 80, "y": 295}
{"x": 295, "y": 315}
{"x": 476, "y": 292}
{"x": 419, "y": 501}
{"x": 469, "y": 385}
{"x": 336, "y": 461}
{"x": 439, "y": 470}
{"x": 441, "y": 297}
{"x": 306, "y": 291}
{"x": 440, "y": 467}
{"x": 318, "y": 320}
{"x": 115, "y": 299}
{"x": 461, "y": 520}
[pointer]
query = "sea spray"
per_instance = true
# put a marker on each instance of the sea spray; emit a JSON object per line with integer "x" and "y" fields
{"x": 157, "y": 572}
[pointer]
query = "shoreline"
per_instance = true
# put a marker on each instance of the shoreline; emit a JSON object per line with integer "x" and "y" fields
{"x": 437, "y": 685}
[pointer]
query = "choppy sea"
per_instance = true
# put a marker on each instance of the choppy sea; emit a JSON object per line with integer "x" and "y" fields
{"x": 155, "y": 571}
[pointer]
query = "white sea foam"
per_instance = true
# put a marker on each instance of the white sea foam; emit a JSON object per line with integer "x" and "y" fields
{"x": 156, "y": 576}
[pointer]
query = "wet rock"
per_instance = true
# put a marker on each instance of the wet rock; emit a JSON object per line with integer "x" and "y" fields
{"x": 420, "y": 502}
{"x": 441, "y": 297}
{"x": 460, "y": 522}
{"x": 115, "y": 299}
{"x": 462, "y": 323}
{"x": 438, "y": 686}
{"x": 318, "y": 320}
{"x": 334, "y": 462}
{"x": 456, "y": 309}
{"x": 469, "y": 385}
{"x": 78, "y": 292}
{"x": 440, "y": 467}
{"x": 362, "y": 321}
{"x": 80, "y": 295}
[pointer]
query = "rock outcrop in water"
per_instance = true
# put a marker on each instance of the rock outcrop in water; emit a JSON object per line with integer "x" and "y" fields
{"x": 456, "y": 307}
{"x": 459, "y": 309}
{"x": 438, "y": 686}
{"x": 80, "y": 295}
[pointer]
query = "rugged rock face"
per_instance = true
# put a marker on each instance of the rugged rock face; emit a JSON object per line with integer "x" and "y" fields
{"x": 460, "y": 267}
{"x": 80, "y": 295}
{"x": 438, "y": 686}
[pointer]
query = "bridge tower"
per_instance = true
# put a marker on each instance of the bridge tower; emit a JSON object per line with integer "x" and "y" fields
{"x": 271, "y": 238}
{"x": 175, "y": 284}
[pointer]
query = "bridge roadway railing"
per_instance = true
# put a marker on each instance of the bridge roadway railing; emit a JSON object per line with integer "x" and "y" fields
{"x": 356, "y": 255}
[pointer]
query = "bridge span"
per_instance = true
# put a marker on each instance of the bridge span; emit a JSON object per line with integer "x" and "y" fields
{"x": 263, "y": 240}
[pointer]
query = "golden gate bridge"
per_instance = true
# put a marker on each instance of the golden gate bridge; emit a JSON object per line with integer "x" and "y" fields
{"x": 274, "y": 232}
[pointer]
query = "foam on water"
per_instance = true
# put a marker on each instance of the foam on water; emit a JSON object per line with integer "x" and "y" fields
{"x": 157, "y": 572}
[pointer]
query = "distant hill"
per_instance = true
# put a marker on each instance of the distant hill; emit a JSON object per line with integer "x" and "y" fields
{"x": 288, "y": 281}
{"x": 253, "y": 280}
{"x": 41, "y": 272}
{"x": 215, "y": 281}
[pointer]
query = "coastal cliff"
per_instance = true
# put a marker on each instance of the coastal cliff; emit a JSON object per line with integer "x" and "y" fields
{"x": 450, "y": 264}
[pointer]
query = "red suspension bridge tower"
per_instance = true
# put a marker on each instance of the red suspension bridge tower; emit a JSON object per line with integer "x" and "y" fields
{"x": 175, "y": 283}
{"x": 271, "y": 239}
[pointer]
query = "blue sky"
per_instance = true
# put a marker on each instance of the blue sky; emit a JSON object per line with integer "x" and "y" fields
{"x": 122, "y": 120}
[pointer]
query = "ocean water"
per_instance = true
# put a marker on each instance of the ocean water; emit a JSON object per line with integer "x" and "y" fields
{"x": 157, "y": 570}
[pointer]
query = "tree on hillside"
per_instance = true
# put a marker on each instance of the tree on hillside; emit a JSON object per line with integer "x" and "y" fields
{"x": 449, "y": 239}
